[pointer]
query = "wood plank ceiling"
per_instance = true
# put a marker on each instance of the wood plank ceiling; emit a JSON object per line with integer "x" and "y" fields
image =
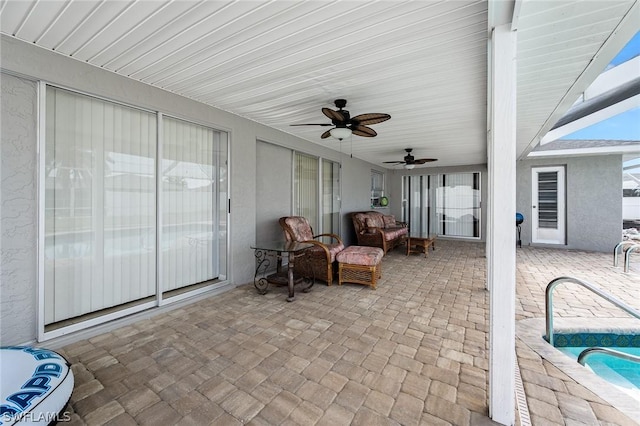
{"x": 280, "y": 62}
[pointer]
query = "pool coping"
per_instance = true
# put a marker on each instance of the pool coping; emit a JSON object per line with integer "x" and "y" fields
{"x": 531, "y": 332}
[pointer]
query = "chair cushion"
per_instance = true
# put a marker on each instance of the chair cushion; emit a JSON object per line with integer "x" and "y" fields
{"x": 300, "y": 228}
{"x": 360, "y": 255}
{"x": 334, "y": 249}
{"x": 391, "y": 234}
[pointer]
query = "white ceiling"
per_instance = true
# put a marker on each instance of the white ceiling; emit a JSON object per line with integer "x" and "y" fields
{"x": 279, "y": 62}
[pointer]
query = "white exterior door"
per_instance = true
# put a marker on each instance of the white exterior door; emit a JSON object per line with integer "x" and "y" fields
{"x": 548, "y": 205}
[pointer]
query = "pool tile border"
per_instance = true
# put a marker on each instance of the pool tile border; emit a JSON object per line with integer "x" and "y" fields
{"x": 531, "y": 331}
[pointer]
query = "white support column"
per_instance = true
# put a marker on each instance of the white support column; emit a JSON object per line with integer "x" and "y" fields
{"x": 501, "y": 256}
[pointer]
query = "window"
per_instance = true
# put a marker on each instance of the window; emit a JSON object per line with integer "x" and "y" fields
{"x": 305, "y": 188}
{"x": 190, "y": 178}
{"x": 458, "y": 204}
{"x": 446, "y": 204}
{"x": 330, "y": 197}
{"x": 377, "y": 188}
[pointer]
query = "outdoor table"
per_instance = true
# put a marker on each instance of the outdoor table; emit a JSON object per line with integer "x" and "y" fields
{"x": 419, "y": 242}
{"x": 265, "y": 251}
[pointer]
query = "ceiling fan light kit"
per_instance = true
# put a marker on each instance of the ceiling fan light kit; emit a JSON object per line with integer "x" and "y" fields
{"x": 345, "y": 125}
{"x": 340, "y": 132}
{"x": 409, "y": 166}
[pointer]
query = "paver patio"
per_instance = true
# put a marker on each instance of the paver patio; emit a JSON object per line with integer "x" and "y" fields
{"x": 412, "y": 352}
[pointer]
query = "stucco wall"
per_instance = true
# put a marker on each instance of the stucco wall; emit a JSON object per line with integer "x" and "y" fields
{"x": 273, "y": 190}
{"x": 35, "y": 64}
{"x": 356, "y": 193}
{"x": 18, "y": 215}
{"x": 593, "y": 200}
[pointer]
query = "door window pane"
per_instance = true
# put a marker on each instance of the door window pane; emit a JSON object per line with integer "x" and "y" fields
{"x": 548, "y": 200}
{"x": 190, "y": 205}
{"x": 100, "y": 205}
{"x": 443, "y": 204}
{"x": 458, "y": 204}
{"x": 305, "y": 188}
{"x": 330, "y": 197}
{"x": 377, "y": 187}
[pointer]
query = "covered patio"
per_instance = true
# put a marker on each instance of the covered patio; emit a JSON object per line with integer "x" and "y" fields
{"x": 113, "y": 211}
{"x": 414, "y": 351}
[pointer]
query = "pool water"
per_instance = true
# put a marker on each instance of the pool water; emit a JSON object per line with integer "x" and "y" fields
{"x": 622, "y": 373}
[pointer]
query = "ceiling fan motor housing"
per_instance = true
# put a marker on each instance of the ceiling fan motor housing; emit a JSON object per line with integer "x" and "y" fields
{"x": 340, "y": 103}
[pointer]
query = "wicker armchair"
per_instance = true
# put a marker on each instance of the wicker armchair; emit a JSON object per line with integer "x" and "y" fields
{"x": 320, "y": 262}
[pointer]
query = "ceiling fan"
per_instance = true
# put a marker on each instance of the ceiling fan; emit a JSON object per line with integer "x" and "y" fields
{"x": 345, "y": 125}
{"x": 410, "y": 161}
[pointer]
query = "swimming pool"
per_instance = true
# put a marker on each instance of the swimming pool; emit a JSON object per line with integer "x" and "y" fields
{"x": 622, "y": 373}
{"x": 531, "y": 331}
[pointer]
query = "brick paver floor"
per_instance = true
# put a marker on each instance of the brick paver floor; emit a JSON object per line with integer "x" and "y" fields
{"x": 412, "y": 352}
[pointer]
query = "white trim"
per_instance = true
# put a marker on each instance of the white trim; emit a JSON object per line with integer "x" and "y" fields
{"x": 228, "y": 271}
{"x": 41, "y": 176}
{"x": 587, "y": 151}
{"x": 61, "y": 341}
{"x": 191, "y": 293}
{"x": 97, "y": 321}
{"x": 624, "y": 31}
{"x": 501, "y": 258}
{"x": 159, "y": 200}
{"x": 613, "y": 77}
{"x": 591, "y": 119}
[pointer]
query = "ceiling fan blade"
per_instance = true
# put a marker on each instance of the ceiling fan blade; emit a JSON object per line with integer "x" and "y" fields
{"x": 393, "y": 162}
{"x": 312, "y": 124}
{"x": 424, "y": 160}
{"x": 371, "y": 118}
{"x": 333, "y": 115}
{"x": 326, "y": 134}
{"x": 364, "y": 131}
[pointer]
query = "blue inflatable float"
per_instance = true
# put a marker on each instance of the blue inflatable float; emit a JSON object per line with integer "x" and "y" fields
{"x": 35, "y": 385}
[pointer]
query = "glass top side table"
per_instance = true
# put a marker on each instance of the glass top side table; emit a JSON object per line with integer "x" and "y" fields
{"x": 265, "y": 251}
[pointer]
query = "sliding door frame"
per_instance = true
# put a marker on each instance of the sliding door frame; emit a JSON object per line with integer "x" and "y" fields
{"x": 137, "y": 306}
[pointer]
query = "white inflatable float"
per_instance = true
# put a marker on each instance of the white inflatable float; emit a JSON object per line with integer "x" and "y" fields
{"x": 35, "y": 385}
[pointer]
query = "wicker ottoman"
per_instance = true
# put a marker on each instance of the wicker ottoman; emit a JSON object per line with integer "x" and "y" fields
{"x": 360, "y": 264}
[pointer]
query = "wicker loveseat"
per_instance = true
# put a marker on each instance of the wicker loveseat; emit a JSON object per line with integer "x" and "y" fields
{"x": 377, "y": 230}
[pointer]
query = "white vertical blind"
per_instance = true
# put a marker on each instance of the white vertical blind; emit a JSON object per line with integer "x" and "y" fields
{"x": 458, "y": 204}
{"x": 415, "y": 210}
{"x": 190, "y": 235}
{"x": 306, "y": 188}
{"x": 99, "y": 205}
{"x": 455, "y": 198}
{"x": 330, "y": 197}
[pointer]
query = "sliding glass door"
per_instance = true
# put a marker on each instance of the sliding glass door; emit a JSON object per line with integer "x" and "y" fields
{"x": 109, "y": 220}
